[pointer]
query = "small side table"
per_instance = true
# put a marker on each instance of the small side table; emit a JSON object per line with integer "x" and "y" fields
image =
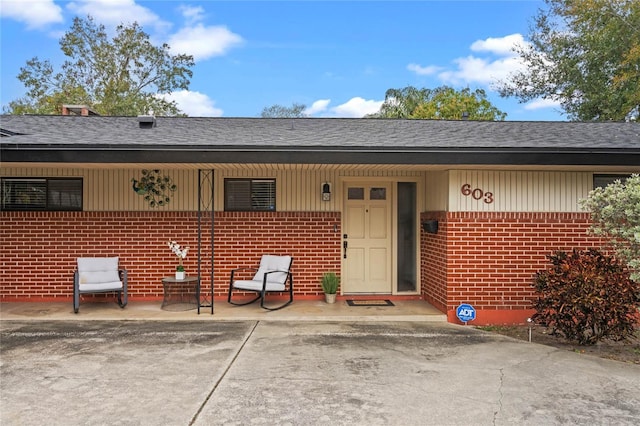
{"x": 180, "y": 295}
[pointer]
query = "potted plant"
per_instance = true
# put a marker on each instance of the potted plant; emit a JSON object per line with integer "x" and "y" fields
{"x": 180, "y": 253}
{"x": 330, "y": 282}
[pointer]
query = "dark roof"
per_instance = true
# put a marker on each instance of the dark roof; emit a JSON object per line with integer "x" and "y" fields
{"x": 316, "y": 140}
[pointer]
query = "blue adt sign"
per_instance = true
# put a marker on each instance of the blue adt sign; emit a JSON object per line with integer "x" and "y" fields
{"x": 466, "y": 313}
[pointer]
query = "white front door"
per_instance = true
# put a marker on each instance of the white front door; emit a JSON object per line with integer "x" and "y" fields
{"x": 367, "y": 238}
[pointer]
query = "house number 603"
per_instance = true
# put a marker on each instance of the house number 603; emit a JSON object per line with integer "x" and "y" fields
{"x": 477, "y": 194}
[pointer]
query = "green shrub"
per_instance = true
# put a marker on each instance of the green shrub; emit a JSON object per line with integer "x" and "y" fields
{"x": 330, "y": 282}
{"x": 615, "y": 211}
{"x": 587, "y": 297}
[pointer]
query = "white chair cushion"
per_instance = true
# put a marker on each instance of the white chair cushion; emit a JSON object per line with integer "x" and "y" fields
{"x": 97, "y": 287}
{"x": 255, "y": 285}
{"x": 98, "y": 270}
{"x": 273, "y": 263}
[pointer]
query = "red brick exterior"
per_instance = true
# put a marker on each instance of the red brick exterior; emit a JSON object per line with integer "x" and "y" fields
{"x": 483, "y": 258}
{"x": 40, "y": 248}
{"x": 433, "y": 261}
{"x": 491, "y": 259}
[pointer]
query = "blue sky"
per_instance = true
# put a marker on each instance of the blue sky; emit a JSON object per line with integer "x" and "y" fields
{"x": 336, "y": 57}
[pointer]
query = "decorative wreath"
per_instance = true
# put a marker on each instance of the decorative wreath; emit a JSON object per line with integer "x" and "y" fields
{"x": 155, "y": 188}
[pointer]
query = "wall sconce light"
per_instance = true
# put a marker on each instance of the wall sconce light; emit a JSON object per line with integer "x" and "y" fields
{"x": 430, "y": 226}
{"x": 326, "y": 191}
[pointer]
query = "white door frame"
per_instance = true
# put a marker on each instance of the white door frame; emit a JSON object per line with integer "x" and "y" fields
{"x": 393, "y": 181}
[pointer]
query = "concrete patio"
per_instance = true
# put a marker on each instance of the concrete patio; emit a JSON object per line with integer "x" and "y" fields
{"x": 304, "y": 310}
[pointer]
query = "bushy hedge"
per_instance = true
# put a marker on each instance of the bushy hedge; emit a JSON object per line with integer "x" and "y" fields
{"x": 587, "y": 296}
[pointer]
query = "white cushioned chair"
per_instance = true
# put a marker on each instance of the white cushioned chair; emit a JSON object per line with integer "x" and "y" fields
{"x": 99, "y": 275}
{"x": 270, "y": 277}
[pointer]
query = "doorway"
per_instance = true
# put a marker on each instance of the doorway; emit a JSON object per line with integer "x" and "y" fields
{"x": 380, "y": 240}
{"x": 367, "y": 240}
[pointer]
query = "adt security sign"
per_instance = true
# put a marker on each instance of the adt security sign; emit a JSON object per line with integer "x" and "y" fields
{"x": 466, "y": 313}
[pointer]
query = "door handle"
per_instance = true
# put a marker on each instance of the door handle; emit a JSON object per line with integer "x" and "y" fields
{"x": 344, "y": 246}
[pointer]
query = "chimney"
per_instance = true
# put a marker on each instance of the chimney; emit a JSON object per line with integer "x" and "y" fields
{"x": 147, "y": 121}
{"x": 82, "y": 110}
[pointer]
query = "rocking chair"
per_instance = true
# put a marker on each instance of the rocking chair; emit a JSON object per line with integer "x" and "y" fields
{"x": 99, "y": 275}
{"x": 270, "y": 277}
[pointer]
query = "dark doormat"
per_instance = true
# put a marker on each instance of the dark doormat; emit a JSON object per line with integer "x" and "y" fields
{"x": 385, "y": 302}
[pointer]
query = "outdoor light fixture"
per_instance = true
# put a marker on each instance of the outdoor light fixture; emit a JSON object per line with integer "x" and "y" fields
{"x": 326, "y": 191}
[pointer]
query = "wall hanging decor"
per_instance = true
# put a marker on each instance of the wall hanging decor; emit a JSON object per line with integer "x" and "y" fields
{"x": 154, "y": 187}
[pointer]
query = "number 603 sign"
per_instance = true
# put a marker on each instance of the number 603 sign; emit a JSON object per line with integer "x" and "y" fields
{"x": 477, "y": 193}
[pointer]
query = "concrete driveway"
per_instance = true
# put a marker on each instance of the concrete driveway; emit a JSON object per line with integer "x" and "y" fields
{"x": 311, "y": 373}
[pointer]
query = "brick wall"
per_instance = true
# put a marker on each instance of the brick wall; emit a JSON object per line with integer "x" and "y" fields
{"x": 487, "y": 259}
{"x": 313, "y": 239}
{"x": 40, "y": 248}
{"x": 433, "y": 262}
{"x": 491, "y": 258}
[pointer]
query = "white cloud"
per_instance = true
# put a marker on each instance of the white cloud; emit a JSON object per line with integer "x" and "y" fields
{"x": 480, "y": 70}
{"x": 194, "y": 104}
{"x": 493, "y": 60}
{"x": 194, "y": 39}
{"x": 500, "y": 46}
{"x": 317, "y": 107}
{"x": 204, "y": 42}
{"x": 34, "y": 13}
{"x": 116, "y": 12}
{"x": 541, "y": 104}
{"x": 356, "y": 107}
{"x": 192, "y": 14}
{"x": 420, "y": 70}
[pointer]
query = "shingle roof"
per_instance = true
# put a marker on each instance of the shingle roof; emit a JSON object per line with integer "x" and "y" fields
{"x": 319, "y": 140}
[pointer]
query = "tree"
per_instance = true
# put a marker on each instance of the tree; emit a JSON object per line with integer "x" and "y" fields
{"x": 124, "y": 76}
{"x": 443, "y": 103}
{"x": 585, "y": 54}
{"x": 278, "y": 111}
{"x": 615, "y": 211}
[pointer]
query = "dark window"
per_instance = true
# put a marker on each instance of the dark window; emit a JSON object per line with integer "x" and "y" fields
{"x": 249, "y": 194}
{"x": 355, "y": 193}
{"x": 41, "y": 194}
{"x": 378, "y": 194}
{"x": 600, "y": 181}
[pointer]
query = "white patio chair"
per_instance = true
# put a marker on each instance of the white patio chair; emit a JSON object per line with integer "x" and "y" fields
{"x": 99, "y": 275}
{"x": 270, "y": 277}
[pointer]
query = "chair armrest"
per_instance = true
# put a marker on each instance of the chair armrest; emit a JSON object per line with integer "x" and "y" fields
{"x": 271, "y": 272}
{"x": 233, "y": 271}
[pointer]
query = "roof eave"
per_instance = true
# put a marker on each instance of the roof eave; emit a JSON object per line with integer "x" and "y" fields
{"x": 318, "y": 155}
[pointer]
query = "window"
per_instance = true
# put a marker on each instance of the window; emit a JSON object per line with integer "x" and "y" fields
{"x": 600, "y": 181}
{"x": 41, "y": 194}
{"x": 355, "y": 193}
{"x": 378, "y": 193}
{"x": 249, "y": 194}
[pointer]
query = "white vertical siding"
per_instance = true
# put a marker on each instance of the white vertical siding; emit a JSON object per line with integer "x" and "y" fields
{"x": 518, "y": 191}
{"x": 436, "y": 191}
{"x": 111, "y": 189}
{"x": 296, "y": 190}
{"x": 299, "y": 189}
